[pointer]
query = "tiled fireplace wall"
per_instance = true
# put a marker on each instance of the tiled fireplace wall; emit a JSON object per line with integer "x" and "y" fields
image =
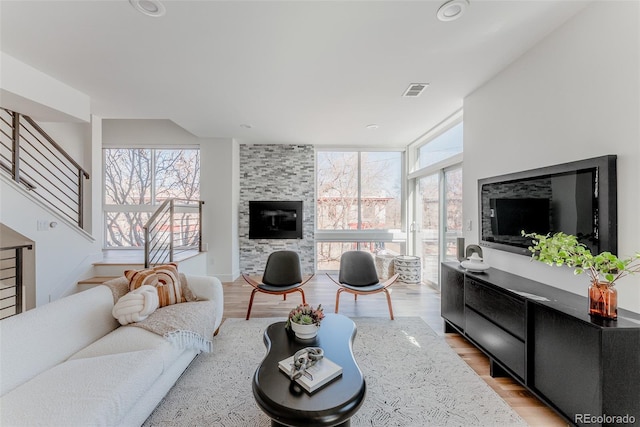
{"x": 281, "y": 173}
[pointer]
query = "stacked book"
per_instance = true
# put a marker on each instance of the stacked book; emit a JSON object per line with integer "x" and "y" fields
{"x": 316, "y": 376}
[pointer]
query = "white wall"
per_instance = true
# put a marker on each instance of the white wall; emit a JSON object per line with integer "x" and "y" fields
{"x": 219, "y": 177}
{"x": 219, "y": 188}
{"x": 573, "y": 96}
{"x": 29, "y": 91}
{"x": 63, "y": 255}
{"x": 8, "y": 237}
{"x": 149, "y": 132}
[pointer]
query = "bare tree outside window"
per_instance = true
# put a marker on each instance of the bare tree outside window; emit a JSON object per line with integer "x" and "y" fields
{"x": 137, "y": 180}
{"x": 381, "y": 190}
{"x": 177, "y": 174}
{"x": 127, "y": 176}
{"x": 357, "y": 191}
{"x": 337, "y": 190}
{"x": 379, "y": 181}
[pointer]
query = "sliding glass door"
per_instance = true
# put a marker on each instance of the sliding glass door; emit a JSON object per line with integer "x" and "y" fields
{"x": 427, "y": 225}
{"x": 438, "y": 220}
{"x": 437, "y": 198}
{"x": 452, "y": 190}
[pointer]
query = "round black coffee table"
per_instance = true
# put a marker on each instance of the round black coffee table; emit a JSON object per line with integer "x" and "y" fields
{"x": 331, "y": 405}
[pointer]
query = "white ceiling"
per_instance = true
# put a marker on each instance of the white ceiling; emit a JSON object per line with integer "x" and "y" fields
{"x": 315, "y": 72}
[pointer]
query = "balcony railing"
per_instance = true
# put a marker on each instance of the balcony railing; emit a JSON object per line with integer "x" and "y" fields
{"x": 11, "y": 273}
{"x": 33, "y": 159}
{"x": 173, "y": 230}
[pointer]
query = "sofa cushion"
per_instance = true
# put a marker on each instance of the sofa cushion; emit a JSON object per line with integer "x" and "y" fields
{"x": 129, "y": 339}
{"x": 39, "y": 339}
{"x": 95, "y": 391}
{"x": 165, "y": 277}
{"x": 169, "y": 286}
{"x": 138, "y": 278}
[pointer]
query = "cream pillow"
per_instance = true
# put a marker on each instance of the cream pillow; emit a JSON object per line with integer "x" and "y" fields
{"x": 137, "y": 305}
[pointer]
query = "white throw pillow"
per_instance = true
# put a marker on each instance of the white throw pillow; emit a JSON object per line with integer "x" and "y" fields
{"x": 137, "y": 305}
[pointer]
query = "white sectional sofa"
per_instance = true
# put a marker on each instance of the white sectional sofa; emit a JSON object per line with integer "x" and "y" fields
{"x": 70, "y": 363}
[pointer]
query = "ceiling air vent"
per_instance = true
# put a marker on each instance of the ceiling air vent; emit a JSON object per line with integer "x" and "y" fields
{"x": 415, "y": 89}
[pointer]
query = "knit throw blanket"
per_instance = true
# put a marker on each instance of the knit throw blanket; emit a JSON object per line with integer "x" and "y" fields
{"x": 188, "y": 325}
{"x": 185, "y": 325}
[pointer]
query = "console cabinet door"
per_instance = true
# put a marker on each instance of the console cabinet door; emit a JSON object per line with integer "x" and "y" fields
{"x": 567, "y": 362}
{"x": 452, "y": 296}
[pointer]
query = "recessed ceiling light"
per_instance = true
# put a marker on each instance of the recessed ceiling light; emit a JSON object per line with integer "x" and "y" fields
{"x": 452, "y": 10}
{"x": 372, "y": 126}
{"x": 149, "y": 7}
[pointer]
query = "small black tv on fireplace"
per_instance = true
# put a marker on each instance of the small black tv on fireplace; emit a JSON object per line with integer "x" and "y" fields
{"x": 578, "y": 198}
{"x": 275, "y": 220}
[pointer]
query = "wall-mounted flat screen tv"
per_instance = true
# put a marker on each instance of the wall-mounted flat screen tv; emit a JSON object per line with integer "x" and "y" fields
{"x": 578, "y": 198}
{"x": 275, "y": 220}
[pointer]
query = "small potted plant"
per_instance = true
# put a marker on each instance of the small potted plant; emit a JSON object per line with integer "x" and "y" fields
{"x": 305, "y": 320}
{"x": 603, "y": 269}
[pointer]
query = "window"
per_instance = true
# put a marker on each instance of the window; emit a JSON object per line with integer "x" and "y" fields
{"x": 359, "y": 204}
{"x": 437, "y": 185}
{"x": 442, "y": 147}
{"x": 359, "y": 190}
{"x": 137, "y": 180}
{"x": 329, "y": 253}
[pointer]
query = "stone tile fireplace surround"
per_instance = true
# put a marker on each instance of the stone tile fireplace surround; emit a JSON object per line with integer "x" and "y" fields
{"x": 276, "y": 172}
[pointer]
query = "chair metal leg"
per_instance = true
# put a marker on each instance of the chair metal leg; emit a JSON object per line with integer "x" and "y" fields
{"x": 253, "y": 294}
{"x": 389, "y": 303}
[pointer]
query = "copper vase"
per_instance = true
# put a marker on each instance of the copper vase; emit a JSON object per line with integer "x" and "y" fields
{"x": 603, "y": 300}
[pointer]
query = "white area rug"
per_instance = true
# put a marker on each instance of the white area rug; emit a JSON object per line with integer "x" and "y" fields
{"x": 414, "y": 379}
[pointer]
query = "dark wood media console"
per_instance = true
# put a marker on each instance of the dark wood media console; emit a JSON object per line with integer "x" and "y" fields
{"x": 587, "y": 369}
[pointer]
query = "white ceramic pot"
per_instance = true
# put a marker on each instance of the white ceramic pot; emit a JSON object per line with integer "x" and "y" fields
{"x": 305, "y": 332}
{"x": 474, "y": 264}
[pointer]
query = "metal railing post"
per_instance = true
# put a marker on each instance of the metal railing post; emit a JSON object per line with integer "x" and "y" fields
{"x": 200, "y": 226}
{"x": 19, "y": 275}
{"x": 158, "y": 225}
{"x": 15, "y": 158}
{"x": 171, "y": 229}
{"x": 146, "y": 247}
{"x": 80, "y": 200}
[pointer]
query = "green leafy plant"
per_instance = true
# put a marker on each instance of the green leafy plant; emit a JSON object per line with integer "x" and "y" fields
{"x": 565, "y": 249}
{"x": 304, "y": 314}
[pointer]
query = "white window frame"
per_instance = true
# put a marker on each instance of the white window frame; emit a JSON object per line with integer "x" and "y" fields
{"x": 380, "y": 235}
{"x": 415, "y": 173}
{"x": 150, "y": 208}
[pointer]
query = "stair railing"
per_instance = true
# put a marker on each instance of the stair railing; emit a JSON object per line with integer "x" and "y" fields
{"x": 33, "y": 159}
{"x": 174, "y": 229}
{"x": 11, "y": 277}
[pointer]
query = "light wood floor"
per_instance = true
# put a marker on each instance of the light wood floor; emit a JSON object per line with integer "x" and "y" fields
{"x": 408, "y": 300}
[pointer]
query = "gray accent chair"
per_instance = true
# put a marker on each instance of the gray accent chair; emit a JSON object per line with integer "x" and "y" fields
{"x": 358, "y": 276}
{"x": 282, "y": 276}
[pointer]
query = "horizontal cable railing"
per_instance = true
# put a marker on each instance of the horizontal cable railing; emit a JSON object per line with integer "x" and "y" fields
{"x": 32, "y": 158}
{"x": 175, "y": 228}
{"x": 11, "y": 274}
